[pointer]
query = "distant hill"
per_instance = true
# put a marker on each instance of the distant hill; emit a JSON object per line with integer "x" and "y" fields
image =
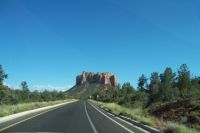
{"x": 88, "y": 83}
{"x": 84, "y": 91}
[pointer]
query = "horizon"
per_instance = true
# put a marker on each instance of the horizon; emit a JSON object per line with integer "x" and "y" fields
{"x": 50, "y": 87}
{"x": 48, "y": 43}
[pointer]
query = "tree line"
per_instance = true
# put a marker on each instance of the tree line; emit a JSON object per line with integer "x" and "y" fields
{"x": 168, "y": 86}
{"x": 24, "y": 95}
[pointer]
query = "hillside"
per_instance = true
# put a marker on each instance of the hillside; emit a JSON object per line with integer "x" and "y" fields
{"x": 186, "y": 112}
{"x": 89, "y": 83}
{"x": 85, "y": 90}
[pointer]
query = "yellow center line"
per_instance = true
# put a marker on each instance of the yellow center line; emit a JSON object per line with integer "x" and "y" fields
{"x": 12, "y": 125}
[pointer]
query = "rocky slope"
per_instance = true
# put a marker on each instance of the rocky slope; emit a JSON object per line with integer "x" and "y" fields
{"x": 185, "y": 112}
{"x": 105, "y": 78}
{"x": 88, "y": 83}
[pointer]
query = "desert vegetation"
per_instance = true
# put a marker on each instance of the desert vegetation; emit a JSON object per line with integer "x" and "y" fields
{"x": 16, "y": 100}
{"x": 168, "y": 101}
{"x": 20, "y": 107}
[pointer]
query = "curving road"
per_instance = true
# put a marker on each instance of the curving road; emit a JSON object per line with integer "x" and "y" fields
{"x": 77, "y": 117}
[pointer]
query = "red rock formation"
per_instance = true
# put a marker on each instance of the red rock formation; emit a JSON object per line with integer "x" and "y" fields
{"x": 105, "y": 78}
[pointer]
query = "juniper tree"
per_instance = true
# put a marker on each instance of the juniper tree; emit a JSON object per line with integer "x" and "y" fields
{"x": 2, "y": 75}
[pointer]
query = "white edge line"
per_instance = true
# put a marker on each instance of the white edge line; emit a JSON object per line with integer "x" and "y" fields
{"x": 133, "y": 125}
{"x": 152, "y": 128}
{"x": 110, "y": 114}
{"x": 124, "y": 121}
{"x": 112, "y": 120}
{"x": 130, "y": 123}
{"x": 137, "y": 122}
{"x": 141, "y": 123}
{"x": 130, "y": 119}
{"x": 91, "y": 123}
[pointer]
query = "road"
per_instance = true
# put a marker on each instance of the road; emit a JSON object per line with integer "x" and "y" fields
{"x": 77, "y": 117}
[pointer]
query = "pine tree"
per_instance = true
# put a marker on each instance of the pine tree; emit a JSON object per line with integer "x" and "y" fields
{"x": 25, "y": 91}
{"x": 154, "y": 87}
{"x": 2, "y": 75}
{"x": 127, "y": 92}
{"x": 127, "y": 89}
{"x": 142, "y": 83}
{"x": 184, "y": 80}
{"x": 167, "y": 85}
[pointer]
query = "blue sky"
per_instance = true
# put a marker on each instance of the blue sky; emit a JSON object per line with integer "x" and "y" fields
{"x": 48, "y": 42}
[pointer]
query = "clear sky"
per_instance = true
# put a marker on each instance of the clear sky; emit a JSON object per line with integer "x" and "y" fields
{"x": 48, "y": 42}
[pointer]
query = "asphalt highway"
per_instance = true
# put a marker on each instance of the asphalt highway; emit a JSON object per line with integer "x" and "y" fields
{"x": 77, "y": 117}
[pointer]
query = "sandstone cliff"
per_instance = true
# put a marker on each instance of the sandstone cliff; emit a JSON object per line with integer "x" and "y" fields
{"x": 105, "y": 78}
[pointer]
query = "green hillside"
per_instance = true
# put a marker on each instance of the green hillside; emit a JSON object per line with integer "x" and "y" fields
{"x": 85, "y": 90}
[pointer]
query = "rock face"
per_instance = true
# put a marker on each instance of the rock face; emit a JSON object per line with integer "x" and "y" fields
{"x": 105, "y": 78}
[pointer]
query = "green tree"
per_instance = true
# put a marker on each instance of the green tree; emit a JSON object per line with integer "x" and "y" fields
{"x": 154, "y": 87}
{"x": 127, "y": 89}
{"x": 184, "y": 81}
{"x": 127, "y": 92}
{"x": 35, "y": 96}
{"x": 46, "y": 95}
{"x": 140, "y": 99}
{"x": 24, "y": 86}
{"x": 167, "y": 89}
{"x": 4, "y": 94}
{"x": 142, "y": 83}
{"x": 7, "y": 95}
{"x": 194, "y": 92}
{"x": 25, "y": 91}
{"x": 2, "y": 75}
{"x": 61, "y": 95}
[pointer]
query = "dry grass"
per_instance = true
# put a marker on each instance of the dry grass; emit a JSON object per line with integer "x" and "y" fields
{"x": 178, "y": 128}
{"x": 12, "y": 109}
{"x": 135, "y": 113}
{"x": 142, "y": 116}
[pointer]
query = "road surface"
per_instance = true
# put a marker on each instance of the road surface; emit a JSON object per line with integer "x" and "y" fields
{"x": 77, "y": 117}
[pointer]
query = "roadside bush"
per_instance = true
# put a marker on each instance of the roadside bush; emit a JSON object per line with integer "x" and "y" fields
{"x": 12, "y": 97}
{"x": 172, "y": 127}
{"x": 140, "y": 98}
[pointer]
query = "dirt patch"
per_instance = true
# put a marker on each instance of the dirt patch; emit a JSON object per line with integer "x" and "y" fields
{"x": 187, "y": 112}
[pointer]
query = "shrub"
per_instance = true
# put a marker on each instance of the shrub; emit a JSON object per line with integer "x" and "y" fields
{"x": 172, "y": 127}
